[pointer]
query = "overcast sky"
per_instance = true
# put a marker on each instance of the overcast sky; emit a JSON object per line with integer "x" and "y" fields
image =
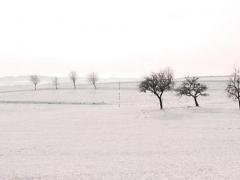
{"x": 125, "y": 38}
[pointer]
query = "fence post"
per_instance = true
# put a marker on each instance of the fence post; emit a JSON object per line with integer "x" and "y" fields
{"x": 119, "y": 94}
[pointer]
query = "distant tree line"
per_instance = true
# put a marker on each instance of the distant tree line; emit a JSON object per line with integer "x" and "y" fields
{"x": 92, "y": 78}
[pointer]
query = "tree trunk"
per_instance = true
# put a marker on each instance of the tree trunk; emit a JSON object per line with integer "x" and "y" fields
{"x": 160, "y": 101}
{"x": 74, "y": 85}
{"x": 239, "y": 104}
{"x": 35, "y": 87}
{"x": 196, "y": 103}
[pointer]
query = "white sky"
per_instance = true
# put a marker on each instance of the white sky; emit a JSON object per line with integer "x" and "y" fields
{"x": 125, "y": 38}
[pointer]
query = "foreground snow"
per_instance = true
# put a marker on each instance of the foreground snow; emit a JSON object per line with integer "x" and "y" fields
{"x": 136, "y": 141}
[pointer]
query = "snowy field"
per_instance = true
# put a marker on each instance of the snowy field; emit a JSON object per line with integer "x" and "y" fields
{"x": 97, "y": 140}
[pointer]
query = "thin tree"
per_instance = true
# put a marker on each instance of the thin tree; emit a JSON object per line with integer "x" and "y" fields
{"x": 193, "y": 88}
{"x": 233, "y": 87}
{"x": 55, "y": 82}
{"x": 92, "y": 79}
{"x": 35, "y": 80}
{"x": 158, "y": 83}
{"x": 73, "y": 78}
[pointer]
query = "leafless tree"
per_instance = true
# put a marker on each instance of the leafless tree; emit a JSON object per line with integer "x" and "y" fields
{"x": 233, "y": 87}
{"x": 158, "y": 83}
{"x": 92, "y": 79}
{"x": 73, "y": 77}
{"x": 35, "y": 80}
{"x": 55, "y": 82}
{"x": 193, "y": 88}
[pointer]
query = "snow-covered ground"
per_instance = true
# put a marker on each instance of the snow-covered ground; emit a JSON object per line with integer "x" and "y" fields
{"x": 102, "y": 141}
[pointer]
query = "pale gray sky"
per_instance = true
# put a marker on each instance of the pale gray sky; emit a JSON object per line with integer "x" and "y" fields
{"x": 119, "y": 38}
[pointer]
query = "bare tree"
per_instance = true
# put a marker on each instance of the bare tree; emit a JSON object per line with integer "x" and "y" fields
{"x": 35, "y": 80}
{"x": 73, "y": 77}
{"x": 233, "y": 87}
{"x": 191, "y": 87}
{"x": 92, "y": 79}
{"x": 158, "y": 83}
{"x": 55, "y": 82}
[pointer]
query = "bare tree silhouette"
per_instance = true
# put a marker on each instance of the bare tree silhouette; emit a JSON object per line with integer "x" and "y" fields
{"x": 92, "y": 79}
{"x": 73, "y": 78}
{"x": 158, "y": 83}
{"x": 233, "y": 87}
{"x": 35, "y": 80}
{"x": 191, "y": 87}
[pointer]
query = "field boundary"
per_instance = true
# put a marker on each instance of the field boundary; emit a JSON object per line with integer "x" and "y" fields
{"x": 53, "y": 102}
